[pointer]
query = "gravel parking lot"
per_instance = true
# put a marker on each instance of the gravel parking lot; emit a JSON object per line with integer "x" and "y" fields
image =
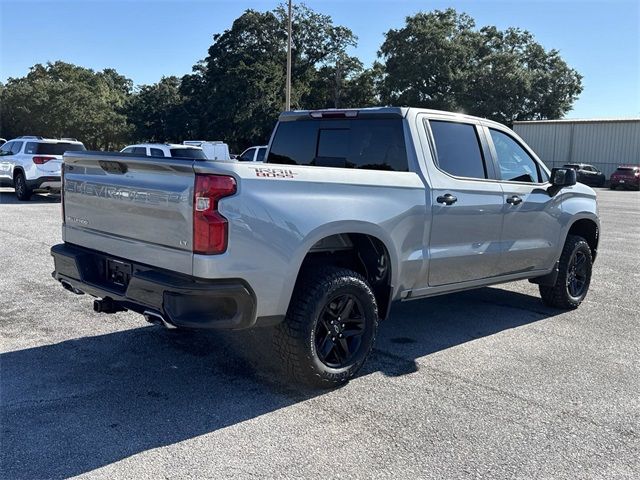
{"x": 488, "y": 383}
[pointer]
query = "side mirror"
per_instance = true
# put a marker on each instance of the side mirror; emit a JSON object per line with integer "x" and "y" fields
{"x": 563, "y": 177}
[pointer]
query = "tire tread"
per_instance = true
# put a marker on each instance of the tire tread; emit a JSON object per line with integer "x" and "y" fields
{"x": 291, "y": 335}
{"x": 557, "y": 295}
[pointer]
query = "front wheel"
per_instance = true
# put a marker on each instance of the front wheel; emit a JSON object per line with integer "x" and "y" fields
{"x": 23, "y": 192}
{"x": 574, "y": 275}
{"x": 330, "y": 327}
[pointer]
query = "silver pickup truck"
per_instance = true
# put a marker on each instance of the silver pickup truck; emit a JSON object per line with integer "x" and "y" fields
{"x": 352, "y": 210}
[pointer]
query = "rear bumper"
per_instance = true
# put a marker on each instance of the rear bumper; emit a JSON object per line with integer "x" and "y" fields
{"x": 45, "y": 183}
{"x": 182, "y": 300}
{"x": 625, "y": 182}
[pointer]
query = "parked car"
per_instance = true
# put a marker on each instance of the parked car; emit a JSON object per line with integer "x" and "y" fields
{"x": 351, "y": 211}
{"x": 588, "y": 174}
{"x": 626, "y": 176}
{"x": 213, "y": 150}
{"x": 173, "y": 150}
{"x": 253, "y": 154}
{"x": 32, "y": 163}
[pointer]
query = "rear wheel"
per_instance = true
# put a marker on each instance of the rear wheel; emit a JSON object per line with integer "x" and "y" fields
{"x": 23, "y": 192}
{"x": 330, "y": 327}
{"x": 574, "y": 275}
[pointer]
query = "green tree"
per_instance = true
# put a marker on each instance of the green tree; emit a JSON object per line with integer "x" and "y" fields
{"x": 440, "y": 60}
{"x": 157, "y": 112}
{"x": 344, "y": 84}
{"x": 237, "y": 92}
{"x": 63, "y": 100}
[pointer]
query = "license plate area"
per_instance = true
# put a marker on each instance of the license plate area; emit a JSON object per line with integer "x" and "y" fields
{"x": 118, "y": 273}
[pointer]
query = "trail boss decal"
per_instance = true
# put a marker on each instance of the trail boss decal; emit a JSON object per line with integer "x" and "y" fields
{"x": 273, "y": 172}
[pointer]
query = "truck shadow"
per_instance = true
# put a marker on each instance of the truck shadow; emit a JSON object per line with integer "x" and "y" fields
{"x": 8, "y": 197}
{"x": 76, "y": 406}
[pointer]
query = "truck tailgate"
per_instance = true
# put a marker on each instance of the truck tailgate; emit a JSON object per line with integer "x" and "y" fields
{"x": 130, "y": 207}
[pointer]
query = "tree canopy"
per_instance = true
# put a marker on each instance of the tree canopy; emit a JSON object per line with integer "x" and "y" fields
{"x": 438, "y": 59}
{"x": 60, "y": 99}
{"x": 237, "y": 92}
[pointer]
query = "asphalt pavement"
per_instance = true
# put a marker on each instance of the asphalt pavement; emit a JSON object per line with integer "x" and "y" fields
{"x": 482, "y": 384}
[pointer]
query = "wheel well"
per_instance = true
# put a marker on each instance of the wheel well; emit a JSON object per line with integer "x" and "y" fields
{"x": 17, "y": 170}
{"x": 361, "y": 253}
{"x": 587, "y": 229}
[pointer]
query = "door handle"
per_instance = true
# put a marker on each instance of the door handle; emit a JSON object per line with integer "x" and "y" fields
{"x": 514, "y": 200}
{"x": 447, "y": 199}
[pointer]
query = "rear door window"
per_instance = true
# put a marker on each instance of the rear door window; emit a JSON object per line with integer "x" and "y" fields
{"x": 156, "y": 152}
{"x": 16, "y": 147}
{"x": 139, "y": 150}
{"x": 375, "y": 144}
{"x": 261, "y": 153}
{"x": 458, "y": 149}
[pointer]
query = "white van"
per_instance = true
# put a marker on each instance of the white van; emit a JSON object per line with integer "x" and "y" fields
{"x": 213, "y": 150}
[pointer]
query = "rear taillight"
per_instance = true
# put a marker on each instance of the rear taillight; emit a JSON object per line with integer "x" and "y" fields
{"x": 42, "y": 160}
{"x": 637, "y": 174}
{"x": 210, "y": 229}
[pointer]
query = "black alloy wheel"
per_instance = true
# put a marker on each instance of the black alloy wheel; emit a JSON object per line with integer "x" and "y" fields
{"x": 577, "y": 274}
{"x": 339, "y": 331}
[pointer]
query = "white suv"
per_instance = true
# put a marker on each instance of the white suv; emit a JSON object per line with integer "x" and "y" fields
{"x": 173, "y": 150}
{"x": 31, "y": 163}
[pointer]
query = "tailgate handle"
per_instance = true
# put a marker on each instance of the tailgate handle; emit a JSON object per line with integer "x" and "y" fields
{"x": 113, "y": 167}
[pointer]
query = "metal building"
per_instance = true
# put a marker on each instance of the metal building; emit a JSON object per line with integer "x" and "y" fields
{"x": 604, "y": 144}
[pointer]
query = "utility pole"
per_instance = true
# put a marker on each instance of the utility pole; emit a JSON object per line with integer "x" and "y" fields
{"x": 288, "y": 87}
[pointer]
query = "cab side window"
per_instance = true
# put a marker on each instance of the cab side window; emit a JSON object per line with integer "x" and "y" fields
{"x": 156, "y": 152}
{"x": 458, "y": 149}
{"x": 515, "y": 164}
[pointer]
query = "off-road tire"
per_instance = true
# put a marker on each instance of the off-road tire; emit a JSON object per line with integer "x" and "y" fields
{"x": 295, "y": 337}
{"x": 23, "y": 192}
{"x": 559, "y": 295}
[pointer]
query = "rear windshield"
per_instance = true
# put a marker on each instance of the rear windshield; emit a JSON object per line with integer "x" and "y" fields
{"x": 34, "y": 148}
{"x": 188, "y": 153}
{"x": 625, "y": 169}
{"x": 374, "y": 144}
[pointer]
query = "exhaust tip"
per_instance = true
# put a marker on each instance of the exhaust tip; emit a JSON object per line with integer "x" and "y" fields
{"x": 67, "y": 286}
{"x": 157, "y": 319}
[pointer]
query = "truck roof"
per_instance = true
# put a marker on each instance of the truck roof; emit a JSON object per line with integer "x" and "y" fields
{"x": 372, "y": 112}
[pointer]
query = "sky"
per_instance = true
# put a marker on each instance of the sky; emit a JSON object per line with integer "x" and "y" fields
{"x": 146, "y": 39}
